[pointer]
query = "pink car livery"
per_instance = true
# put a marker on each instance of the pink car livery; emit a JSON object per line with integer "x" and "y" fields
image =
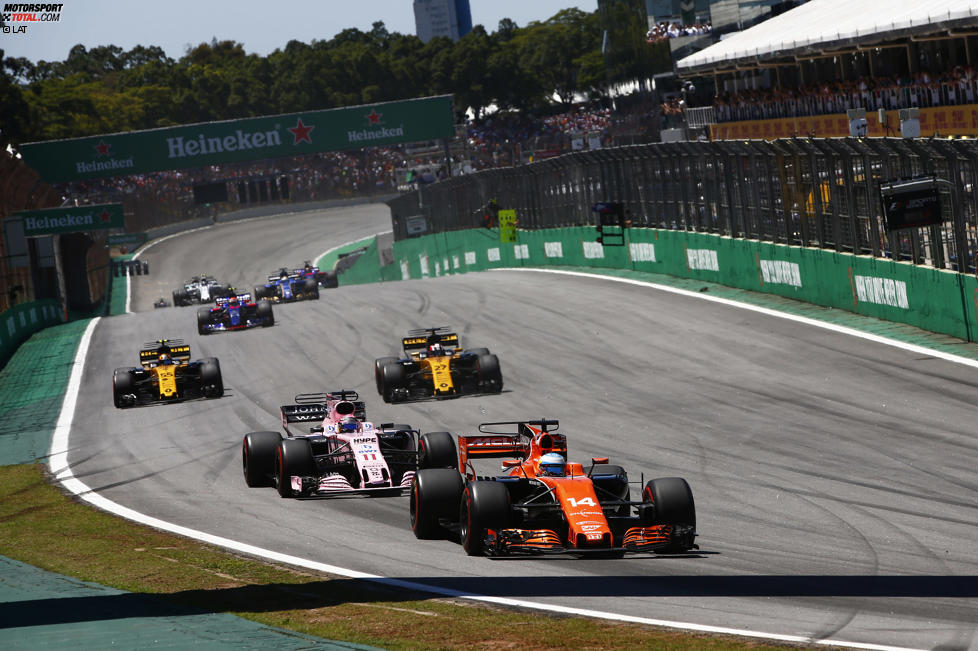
{"x": 330, "y": 449}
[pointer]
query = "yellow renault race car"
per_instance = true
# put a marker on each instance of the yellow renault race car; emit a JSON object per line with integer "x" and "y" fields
{"x": 166, "y": 374}
{"x": 435, "y": 366}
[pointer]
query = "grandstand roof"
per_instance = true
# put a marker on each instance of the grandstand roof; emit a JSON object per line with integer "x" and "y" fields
{"x": 827, "y": 25}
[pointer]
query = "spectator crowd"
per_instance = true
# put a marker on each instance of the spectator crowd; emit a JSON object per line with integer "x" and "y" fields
{"x": 665, "y": 30}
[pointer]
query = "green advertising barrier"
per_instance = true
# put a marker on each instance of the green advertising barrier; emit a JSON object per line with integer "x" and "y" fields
{"x": 212, "y": 143}
{"x": 931, "y": 299}
{"x": 21, "y": 321}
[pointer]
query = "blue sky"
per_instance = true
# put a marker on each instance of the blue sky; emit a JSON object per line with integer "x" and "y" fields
{"x": 260, "y": 26}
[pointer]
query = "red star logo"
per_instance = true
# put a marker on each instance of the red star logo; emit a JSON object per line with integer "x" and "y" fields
{"x": 102, "y": 148}
{"x": 374, "y": 117}
{"x": 105, "y": 215}
{"x": 301, "y": 132}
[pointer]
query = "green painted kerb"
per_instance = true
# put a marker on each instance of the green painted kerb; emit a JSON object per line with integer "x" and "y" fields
{"x": 32, "y": 387}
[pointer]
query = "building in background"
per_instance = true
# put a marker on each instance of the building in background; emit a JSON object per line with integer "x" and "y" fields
{"x": 451, "y": 18}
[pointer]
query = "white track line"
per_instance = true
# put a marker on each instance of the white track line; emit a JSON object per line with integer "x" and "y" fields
{"x": 922, "y": 350}
{"x": 58, "y": 465}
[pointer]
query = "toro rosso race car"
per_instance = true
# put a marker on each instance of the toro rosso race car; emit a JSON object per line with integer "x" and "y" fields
{"x": 434, "y": 366}
{"x": 200, "y": 289}
{"x": 286, "y": 286}
{"x": 326, "y": 279}
{"x": 236, "y": 312}
{"x": 330, "y": 450}
{"x": 545, "y": 504}
{"x": 166, "y": 374}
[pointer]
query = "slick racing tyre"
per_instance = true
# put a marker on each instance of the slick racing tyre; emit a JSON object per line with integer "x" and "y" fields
{"x": 258, "y": 458}
{"x": 211, "y": 382}
{"x": 311, "y": 288}
{"x": 393, "y": 376}
{"x": 484, "y": 505}
{"x": 437, "y": 450}
{"x": 379, "y": 364}
{"x": 330, "y": 280}
{"x": 490, "y": 377}
{"x": 435, "y": 494}
{"x": 669, "y": 500}
{"x": 293, "y": 457}
{"x": 203, "y": 320}
{"x": 266, "y": 314}
{"x": 122, "y": 385}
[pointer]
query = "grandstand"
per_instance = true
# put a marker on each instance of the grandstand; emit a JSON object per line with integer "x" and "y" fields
{"x": 799, "y": 73}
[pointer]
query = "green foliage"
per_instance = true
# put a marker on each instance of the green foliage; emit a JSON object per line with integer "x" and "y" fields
{"x": 106, "y": 89}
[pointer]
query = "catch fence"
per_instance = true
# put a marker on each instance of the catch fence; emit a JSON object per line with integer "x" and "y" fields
{"x": 808, "y": 192}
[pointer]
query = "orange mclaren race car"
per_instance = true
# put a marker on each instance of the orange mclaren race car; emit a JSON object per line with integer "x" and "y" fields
{"x": 545, "y": 504}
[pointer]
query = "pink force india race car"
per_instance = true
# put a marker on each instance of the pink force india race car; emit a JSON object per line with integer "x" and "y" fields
{"x": 330, "y": 449}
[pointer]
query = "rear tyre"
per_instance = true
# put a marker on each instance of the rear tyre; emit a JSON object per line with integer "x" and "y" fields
{"x": 265, "y": 314}
{"x": 435, "y": 494}
{"x": 393, "y": 376}
{"x": 331, "y": 280}
{"x": 211, "y": 381}
{"x": 490, "y": 376}
{"x": 437, "y": 450}
{"x": 258, "y": 458}
{"x": 181, "y": 297}
{"x": 379, "y": 364}
{"x": 203, "y": 319}
{"x": 122, "y": 385}
{"x": 484, "y": 505}
{"x": 479, "y": 351}
{"x": 293, "y": 457}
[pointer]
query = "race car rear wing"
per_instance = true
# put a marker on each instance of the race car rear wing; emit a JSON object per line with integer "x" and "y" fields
{"x": 418, "y": 340}
{"x": 178, "y": 351}
{"x": 500, "y": 440}
{"x": 315, "y": 406}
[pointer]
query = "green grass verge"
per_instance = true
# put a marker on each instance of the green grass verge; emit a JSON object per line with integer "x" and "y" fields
{"x": 36, "y": 520}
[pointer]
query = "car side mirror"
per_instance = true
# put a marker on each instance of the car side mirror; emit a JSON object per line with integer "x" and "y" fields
{"x": 597, "y": 460}
{"x": 318, "y": 428}
{"x": 511, "y": 463}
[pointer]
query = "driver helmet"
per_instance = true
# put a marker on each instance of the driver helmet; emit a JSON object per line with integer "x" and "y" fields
{"x": 436, "y": 350}
{"x": 349, "y": 424}
{"x": 164, "y": 360}
{"x": 552, "y": 465}
{"x": 233, "y": 301}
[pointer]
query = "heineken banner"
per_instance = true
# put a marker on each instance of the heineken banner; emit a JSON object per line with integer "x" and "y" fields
{"x": 211, "y": 143}
{"x": 72, "y": 219}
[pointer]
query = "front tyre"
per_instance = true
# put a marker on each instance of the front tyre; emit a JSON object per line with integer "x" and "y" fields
{"x": 265, "y": 314}
{"x": 122, "y": 386}
{"x": 211, "y": 381}
{"x": 258, "y": 458}
{"x": 435, "y": 494}
{"x": 484, "y": 505}
{"x": 379, "y": 365}
{"x": 293, "y": 458}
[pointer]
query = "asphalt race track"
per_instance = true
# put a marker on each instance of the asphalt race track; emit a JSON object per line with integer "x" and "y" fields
{"x": 834, "y": 477}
